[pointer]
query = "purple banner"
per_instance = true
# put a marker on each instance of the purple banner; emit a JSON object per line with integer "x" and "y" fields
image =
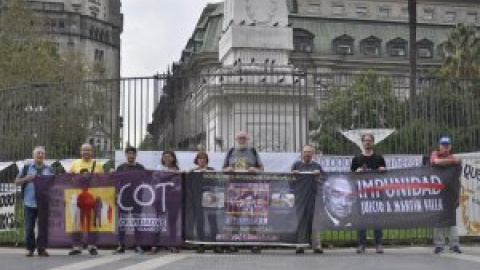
{"x": 139, "y": 207}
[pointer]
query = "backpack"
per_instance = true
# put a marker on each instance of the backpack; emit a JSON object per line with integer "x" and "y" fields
{"x": 254, "y": 151}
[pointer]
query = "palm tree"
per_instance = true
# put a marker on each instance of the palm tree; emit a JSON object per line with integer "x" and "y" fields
{"x": 462, "y": 53}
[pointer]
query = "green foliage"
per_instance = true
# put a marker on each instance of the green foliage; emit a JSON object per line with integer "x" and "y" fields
{"x": 462, "y": 53}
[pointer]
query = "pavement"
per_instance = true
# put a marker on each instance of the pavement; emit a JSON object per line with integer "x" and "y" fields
{"x": 411, "y": 258}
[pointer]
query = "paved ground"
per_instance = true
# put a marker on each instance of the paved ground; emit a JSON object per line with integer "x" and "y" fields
{"x": 414, "y": 258}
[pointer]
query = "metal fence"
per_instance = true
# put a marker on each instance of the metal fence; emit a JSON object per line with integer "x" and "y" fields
{"x": 281, "y": 111}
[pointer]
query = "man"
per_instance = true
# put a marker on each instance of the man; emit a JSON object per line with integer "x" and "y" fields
{"x": 443, "y": 157}
{"x": 130, "y": 165}
{"x": 243, "y": 158}
{"x": 338, "y": 197}
{"x": 25, "y": 180}
{"x": 307, "y": 164}
{"x": 368, "y": 161}
{"x": 85, "y": 165}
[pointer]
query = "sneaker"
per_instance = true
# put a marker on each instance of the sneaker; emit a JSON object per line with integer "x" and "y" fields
{"x": 300, "y": 251}
{"x": 43, "y": 253}
{"x": 379, "y": 249}
{"x": 74, "y": 252}
{"x": 456, "y": 249}
{"x": 154, "y": 250}
{"x": 93, "y": 251}
{"x": 318, "y": 250}
{"x": 256, "y": 250}
{"x": 360, "y": 249}
{"x": 139, "y": 250}
{"x": 29, "y": 254}
{"x": 120, "y": 250}
{"x": 438, "y": 250}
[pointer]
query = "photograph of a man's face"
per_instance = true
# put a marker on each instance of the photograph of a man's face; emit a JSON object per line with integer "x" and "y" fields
{"x": 338, "y": 197}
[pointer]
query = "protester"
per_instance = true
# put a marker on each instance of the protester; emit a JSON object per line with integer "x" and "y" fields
{"x": 169, "y": 164}
{"x": 25, "y": 179}
{"x": 85, "y": 165}
{"x": 243, "y": 158}
{"x": 201, "y": 162}
{"x": 443, "y": 157}
{"x": 368, "y": 160}
{"x": 307, "y": 164}
{"x": 130, "y": 165}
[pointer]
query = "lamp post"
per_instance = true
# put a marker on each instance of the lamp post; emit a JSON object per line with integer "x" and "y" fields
{"x": 412, "y": 22}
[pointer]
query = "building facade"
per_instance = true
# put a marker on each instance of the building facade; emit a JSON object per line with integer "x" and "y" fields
{"x": 244, "y": 52}
{"x": 92, "y": 29}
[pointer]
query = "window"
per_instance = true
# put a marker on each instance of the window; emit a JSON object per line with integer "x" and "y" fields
{"x": 397, "y": 47}
{"x": 425, "y": 48}
{"x": 362, "y": 11}
{"x": 338, "y": 9}
{"x": 343, "y": 45}
{"x": 384, "y": 12}
{"x": 428, "y": 14}
{"x": 404, "y": 13}
{"x": 472, "y": 17}
{"x": 61, "y": 23}
{"x": 371, "y": 46}
{"x": 314, "y": 7}
{"x": 450, "y": 16}
{"x": 302, "y": 40}
{"x": 99, "y": 54}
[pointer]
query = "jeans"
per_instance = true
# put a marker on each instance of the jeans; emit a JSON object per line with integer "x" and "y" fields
{"x": 31, "y": 218}
{"x": 362, "y": 237}
{"x": 439, "y": 235}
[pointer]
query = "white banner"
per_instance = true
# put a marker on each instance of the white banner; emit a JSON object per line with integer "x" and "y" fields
{"x": 273, "y": 162}
{"x": 468, "y": 212}
{"x": 7, "y": 211}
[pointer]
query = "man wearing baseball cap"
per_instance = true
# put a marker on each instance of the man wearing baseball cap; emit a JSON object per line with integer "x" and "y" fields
{"x": 443, "y": 157}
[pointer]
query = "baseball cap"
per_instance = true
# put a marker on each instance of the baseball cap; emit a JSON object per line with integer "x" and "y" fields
{"x": 445, "y": 141}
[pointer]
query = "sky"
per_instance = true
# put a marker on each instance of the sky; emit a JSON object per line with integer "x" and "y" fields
{"x": 155, "y": 32}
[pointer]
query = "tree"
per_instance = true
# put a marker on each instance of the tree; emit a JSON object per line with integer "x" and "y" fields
{"x": 369, "y": 102}
{"x": 462, "y": 53}
{"x": 44, "y": 100}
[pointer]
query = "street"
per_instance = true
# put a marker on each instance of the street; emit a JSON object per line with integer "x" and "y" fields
{"x": 412, "y": 258}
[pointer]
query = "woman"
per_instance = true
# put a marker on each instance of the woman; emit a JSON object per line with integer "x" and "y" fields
{"x": 169, "y": 164}
{"x": 201, "y": 162}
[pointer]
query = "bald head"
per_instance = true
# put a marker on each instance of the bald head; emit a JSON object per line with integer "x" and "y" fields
{"x": 242, "y": 139}
{"x": 86, "y": 152}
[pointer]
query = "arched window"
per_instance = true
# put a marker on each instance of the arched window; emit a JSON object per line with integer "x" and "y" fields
{"x": 371, "y": 46}
{"x": 343, "y": 45}
{"x": 302, "y": 40}
{"x": 424, "y": 48}
{"x": 397, "y": 47}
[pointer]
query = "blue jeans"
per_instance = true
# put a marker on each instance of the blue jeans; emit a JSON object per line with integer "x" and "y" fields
{"x": 362, "y": 237}
{"x": 31, "y": 218}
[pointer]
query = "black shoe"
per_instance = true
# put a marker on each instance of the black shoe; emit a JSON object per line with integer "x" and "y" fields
{"x": 174, "y": 250}
{"x": 119, "y": 250}
{"x": 360, "y": 249}
{"x": 231, "y": 249}
{"x": 74, "y": 252}
{"x": 456, "y": 249}
{"x": 438, "y": 250}
{"x": 200, "y": 249}
{"x": 379, "y": 249}
{"x": 218, "y": 250}
{"x": 299, "y": 251}
{"x": 43, "y": 253}
{"x": 29, "y": 254}
{"x": 256, "y": 250}
{"x": 318, "y": 250}
{"x": 93, "y": 251}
